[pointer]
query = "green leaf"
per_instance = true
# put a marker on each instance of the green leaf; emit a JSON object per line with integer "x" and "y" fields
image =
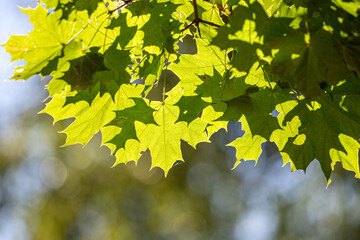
{"x": 87, "y": 73}
{"x": 81, "y": 71}
{"x": 349, "y": 160}
{"x": 44, "y": 43}
{"x": 125, "y": 119}
{"x": 221, "y": 88}
{"x": 89, "y": 119}
{"x": 307, "y": 64}
{"x": 68, "y": 7}
{"x": 152, "y": 69}
{"x": 211, "y": 115}
{"x": 190, "y": 108}
{"x": 158, "y": 26}
{"x": 117, "y": 61}
{"x": 123, "y": 100}
{"x": 349, "y": 6}
{"x": 322, "y": 122}
{"x": 351, "y": 55}
{"x": 270, "y": 6}
{"x": 189, "y": 67}
{"x": 240, "y": 34}
{"x": 248, "y": 147}
{"x": 89, "y": 5}
{"x": 163, "y": 139}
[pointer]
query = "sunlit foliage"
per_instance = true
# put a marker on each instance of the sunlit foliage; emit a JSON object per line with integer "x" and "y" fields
{"x": 287, "y": 70}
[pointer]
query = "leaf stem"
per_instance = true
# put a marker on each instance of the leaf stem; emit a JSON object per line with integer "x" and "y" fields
{"x": 267, "y": 79}
{"x": 164, "y": 86}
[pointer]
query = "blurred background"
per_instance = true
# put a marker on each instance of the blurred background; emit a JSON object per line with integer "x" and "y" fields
{"x": 49, "y": 192}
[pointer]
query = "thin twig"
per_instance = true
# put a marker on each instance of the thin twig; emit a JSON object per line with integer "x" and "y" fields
{"x": 198, "y": 20}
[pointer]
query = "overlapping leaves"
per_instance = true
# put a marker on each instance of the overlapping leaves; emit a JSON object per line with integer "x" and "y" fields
{"x": 287, "y": 70}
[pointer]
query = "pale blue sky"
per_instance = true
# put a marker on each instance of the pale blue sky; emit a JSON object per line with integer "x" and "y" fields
{"x": 15, "y": 96}
{"x": 12, "y": 21}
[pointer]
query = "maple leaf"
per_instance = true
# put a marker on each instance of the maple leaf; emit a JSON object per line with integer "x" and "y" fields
{"x": 163, "y": 139}
{"x": 44, "y": 43}
{"x": 255, "y": 112}
{"x": 125, "y": 119}
{"x": 190, "y": 108}
{"x": 322, "y": 123}
{"x": 307, "y": 65}
{"x": 89, "y": 119}
{"x": 248, "y": 147}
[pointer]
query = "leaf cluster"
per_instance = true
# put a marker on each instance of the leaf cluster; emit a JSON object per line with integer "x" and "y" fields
{"x": 288, "y": 70}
